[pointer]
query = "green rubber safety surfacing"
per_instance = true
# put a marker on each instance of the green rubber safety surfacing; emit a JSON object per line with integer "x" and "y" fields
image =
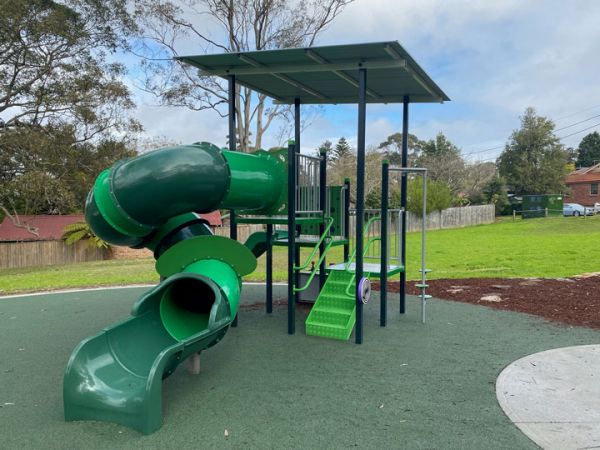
{"x": 184, "y": 253}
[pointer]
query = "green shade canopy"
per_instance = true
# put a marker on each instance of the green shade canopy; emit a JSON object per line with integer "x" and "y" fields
{"x": 326, "y": 75}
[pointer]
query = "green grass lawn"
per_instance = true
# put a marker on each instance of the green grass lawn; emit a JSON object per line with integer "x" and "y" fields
{"x": 553, "y": 247}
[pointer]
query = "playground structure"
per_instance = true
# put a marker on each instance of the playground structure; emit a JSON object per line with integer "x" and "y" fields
{"x": 151, "y": 201}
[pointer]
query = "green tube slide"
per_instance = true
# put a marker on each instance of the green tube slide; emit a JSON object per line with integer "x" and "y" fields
{"x": 151, "y": 201}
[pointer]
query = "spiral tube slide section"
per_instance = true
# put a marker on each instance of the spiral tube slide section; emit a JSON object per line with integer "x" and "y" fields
{"x": 151, "y": 201}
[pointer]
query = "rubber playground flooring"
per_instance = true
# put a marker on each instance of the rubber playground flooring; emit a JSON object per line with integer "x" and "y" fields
{"x": 409, "y": 386}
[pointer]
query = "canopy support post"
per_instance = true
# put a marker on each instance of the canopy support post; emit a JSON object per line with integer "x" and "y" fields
{"x": 360, "y": 199}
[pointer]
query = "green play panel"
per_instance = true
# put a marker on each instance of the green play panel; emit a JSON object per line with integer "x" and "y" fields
{"x": 178, "y": 257}
{"x": 409, "y": 386}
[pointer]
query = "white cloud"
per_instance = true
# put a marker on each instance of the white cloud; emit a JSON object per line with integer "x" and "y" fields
{"x": 493, "y": 58}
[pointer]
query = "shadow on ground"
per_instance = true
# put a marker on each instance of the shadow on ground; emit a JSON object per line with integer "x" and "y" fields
{"x": 408, "y": 386}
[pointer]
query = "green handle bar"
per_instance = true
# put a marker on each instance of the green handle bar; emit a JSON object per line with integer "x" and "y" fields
{"x": 318, "y": 244}
{"x": 314, "y": 271}
{"x": 370, "y": 222}
{"x": 369, "y": 242}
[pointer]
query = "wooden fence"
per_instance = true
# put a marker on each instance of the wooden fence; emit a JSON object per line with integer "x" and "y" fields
{"x": 244, "y": 231}
{"x": 46, "y": 253}
{"x": 465, "y": 216}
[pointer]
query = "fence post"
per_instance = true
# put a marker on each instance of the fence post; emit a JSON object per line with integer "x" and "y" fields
{"x": 514, "y": 215}
{"x": 545, "y": 212}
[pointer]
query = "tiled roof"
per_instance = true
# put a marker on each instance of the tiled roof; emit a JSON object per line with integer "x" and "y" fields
{"x": 51, "y": 228}
{"x": 48, "y": 228}
{"x": 584, "y": 175}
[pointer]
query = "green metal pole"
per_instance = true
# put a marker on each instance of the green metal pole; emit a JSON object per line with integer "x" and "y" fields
{"x": 269, "y": 264}
{"x": 403, "y": 202}
{"x": 323, "y": 202}
{"x": 347, "y": 220}
{"x": 384, "y": 242}
{"x": 297, "y": 148}
{"x": 232, "y": 147}
{"x": 360, "y": 198}
{"x": 291, "y": 236}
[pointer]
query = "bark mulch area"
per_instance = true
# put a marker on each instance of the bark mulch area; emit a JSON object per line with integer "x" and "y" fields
{"x": 574, "y": 301}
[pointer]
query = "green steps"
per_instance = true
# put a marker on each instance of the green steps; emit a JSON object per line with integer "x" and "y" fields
{"x": 334, "y": 313}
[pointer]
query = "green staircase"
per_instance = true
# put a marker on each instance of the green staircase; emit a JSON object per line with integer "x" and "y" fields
{"x": 334, "y": 313}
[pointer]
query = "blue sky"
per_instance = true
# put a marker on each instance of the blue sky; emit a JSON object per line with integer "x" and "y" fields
{"x": 493, "y": 59}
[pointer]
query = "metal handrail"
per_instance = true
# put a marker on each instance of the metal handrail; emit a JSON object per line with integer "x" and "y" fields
{"x": 369, "y": 242}
{"x": 313, "y": 272}
{"x": 316, "y": 248}
{"x": 371, "y": 221}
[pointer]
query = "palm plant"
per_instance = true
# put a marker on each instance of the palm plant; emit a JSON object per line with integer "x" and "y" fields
{"x": 81, "y": 231}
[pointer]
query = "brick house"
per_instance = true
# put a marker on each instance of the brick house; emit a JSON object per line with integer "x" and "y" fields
{"x": 584, "y": 186}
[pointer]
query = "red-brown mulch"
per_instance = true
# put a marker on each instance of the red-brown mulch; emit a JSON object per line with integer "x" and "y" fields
{"x": 575, "y": 301}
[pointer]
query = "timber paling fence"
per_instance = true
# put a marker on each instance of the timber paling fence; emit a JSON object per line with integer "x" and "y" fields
{"x": 465, "y": 216}
{"x": 47, "y": 253}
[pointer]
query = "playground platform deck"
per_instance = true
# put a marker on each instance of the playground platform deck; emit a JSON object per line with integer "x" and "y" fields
{"x": 409, "y": 386}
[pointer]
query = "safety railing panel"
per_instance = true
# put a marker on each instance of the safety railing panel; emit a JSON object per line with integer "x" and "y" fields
{"x": 307, "y": 190}
{"x": 394, "y": 241}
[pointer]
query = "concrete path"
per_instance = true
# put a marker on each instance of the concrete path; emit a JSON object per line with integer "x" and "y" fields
{"x": 554, "y": 397}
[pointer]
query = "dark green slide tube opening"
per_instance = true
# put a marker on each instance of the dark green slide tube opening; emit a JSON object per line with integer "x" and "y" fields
{"x": 188, "y": 305}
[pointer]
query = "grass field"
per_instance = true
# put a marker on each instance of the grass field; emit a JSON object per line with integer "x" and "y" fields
{"x": 553, "y": 247}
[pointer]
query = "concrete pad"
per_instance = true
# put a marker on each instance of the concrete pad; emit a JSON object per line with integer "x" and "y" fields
{"x": 554, "y": 397}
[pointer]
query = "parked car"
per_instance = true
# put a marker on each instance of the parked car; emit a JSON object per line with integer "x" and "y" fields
{"x": 575, "y": 209}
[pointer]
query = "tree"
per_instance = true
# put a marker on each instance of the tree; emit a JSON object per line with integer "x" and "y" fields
{"x": 392, "y": 147}
{"x": 444, "y": 162}
{"x": 589, "y": 150}
{"x": 495, "y": 192}
{"x": 45, "y": 170}
{"x": 534, "y": 161}
{"x": 476, "y": 177}
{"x": 64, "y": 106}
{"x": 341, "y": 150}
{"x": 54, "y": 68}
{"x": 244, "y": 25}
{"x": 439, "y": 196}
{"x": 327, "y": 148}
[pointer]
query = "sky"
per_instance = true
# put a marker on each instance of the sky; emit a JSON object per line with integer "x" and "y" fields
{"x": 492, "y": 58}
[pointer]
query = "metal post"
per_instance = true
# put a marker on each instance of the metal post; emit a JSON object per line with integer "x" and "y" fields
{"x": 384, "y": 242}
{"x": 423, "y": 244}
{"x": 360, "y": 197}
{"x": 297, "y": 142}
{"x": 232, "y": 147}
{"x": 403, "y": 198}
{"x": 269, "y": 264}
{"x": 323, "y": 202}
{"x": 291, "y": 236}
{"x": 347, "y": 219}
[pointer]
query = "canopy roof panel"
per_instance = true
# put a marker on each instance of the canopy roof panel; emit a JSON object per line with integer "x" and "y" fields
{"x": 326, "y": 75}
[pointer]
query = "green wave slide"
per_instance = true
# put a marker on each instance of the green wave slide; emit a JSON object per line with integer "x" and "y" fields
{"x": 152, "y": 201}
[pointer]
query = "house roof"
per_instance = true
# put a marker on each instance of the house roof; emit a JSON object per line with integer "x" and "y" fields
{"x": 51, "y": 228}
{"x": 326, "y": 75}
{"x": 48, "y": 228}
{"x": 214, "y": 218}
{"x": 584, "y": 175}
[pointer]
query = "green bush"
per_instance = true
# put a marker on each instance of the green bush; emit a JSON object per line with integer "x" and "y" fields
{"x": 439, "y": 196}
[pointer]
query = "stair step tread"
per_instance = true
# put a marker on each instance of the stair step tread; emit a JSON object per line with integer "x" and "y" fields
{"x": 329, "y": 325}
{"x": 334, "y": 310}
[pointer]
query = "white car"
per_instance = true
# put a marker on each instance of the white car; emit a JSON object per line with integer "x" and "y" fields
{"x": 575, "y": 209}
